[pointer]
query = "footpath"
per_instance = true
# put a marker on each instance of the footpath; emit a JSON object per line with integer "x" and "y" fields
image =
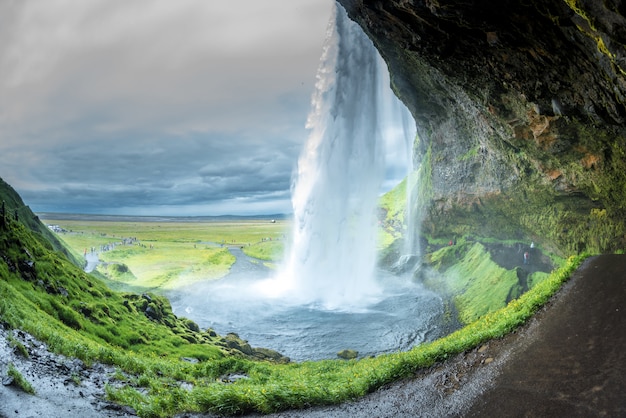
{"x": 574, "y": 363}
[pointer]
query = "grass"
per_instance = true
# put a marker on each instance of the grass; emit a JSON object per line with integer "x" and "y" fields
{"x": 272, "y": 388}
{"x": 480, "y": 285}
{"x": 78, "y": 314}
{"x": 18, "y": 346}
{"x": 170, "y": 255}
{"x": 477, "y": 285}
{"x": 19, "y": 380}
{"x": 95, "y": 324}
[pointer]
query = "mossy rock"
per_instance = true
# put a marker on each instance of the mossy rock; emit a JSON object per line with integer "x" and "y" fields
{"x": 348, "y": 354}
{"x": 190, "y": 325}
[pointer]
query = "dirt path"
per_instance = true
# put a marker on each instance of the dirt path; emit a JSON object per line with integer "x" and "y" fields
{"x": 574, "y": 363}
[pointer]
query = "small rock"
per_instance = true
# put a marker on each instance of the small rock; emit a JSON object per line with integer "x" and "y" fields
{"x": 233, "y": 377}
{"x": 151, "y": 313}
{"x": 7, "y": 380}
{"x": 348, "y": 354}
{"x": 488, "y": 360}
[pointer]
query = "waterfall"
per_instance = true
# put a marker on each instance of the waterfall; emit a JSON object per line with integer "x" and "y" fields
{"x": 354, "y": 119}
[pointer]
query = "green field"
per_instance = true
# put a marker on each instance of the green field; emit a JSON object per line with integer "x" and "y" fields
{"x": 167, "y": 255}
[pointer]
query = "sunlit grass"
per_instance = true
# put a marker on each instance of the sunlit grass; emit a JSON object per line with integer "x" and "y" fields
{"x": 170, "y": 255}
{"x": 266, "y": 250}
{"x": 171, "y": 265}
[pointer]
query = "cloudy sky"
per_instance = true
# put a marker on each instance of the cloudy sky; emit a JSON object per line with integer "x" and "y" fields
{"x": 156, "y": 107}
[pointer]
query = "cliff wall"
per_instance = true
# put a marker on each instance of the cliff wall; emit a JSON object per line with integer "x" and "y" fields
{"x": 521, "y": 111}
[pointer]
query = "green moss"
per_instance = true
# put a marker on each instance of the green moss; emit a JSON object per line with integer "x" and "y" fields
{"x": 577, "y": 8}
{"x": 562, "y": 211}
{"x": 477, "y": 283}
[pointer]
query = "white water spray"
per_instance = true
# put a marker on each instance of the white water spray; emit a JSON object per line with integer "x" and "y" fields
{"x": 332, "y": 258}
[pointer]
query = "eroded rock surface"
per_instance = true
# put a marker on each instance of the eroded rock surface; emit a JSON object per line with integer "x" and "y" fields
{"x": 520, "y": 108}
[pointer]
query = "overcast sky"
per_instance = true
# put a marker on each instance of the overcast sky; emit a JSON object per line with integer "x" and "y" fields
{"x": 156, "y": 107}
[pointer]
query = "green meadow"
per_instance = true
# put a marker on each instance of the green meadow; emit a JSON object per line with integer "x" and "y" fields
{"x": 168, "y": 255}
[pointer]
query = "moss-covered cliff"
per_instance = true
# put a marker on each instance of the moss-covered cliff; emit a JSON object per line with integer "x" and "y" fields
{"x": 520, "y": 108}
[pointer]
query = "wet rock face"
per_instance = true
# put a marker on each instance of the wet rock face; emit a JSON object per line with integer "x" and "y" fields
{"x": 568, "y": 59}
{"x": 510, "y": 92}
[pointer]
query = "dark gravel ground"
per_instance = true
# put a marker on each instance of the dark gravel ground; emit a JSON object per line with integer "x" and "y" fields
{"x": 569, "y": 360}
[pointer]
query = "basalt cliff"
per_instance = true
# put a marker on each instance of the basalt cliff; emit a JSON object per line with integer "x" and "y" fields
{"x": 521, "y": 111}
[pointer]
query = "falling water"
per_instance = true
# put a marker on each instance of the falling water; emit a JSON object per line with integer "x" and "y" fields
{"x": 328, "y": 295}
{"x": 335, "y": 194}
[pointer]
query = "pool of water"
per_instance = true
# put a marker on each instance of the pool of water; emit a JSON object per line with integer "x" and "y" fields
{"x": 403, "y": 315}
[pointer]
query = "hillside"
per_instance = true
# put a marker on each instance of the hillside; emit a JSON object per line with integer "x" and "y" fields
{"x": 47, "y": 296}
{"x": 14, "y": 207}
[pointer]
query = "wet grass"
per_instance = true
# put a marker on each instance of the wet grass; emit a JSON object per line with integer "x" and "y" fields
{"x": 272, "y": 388}
{"x": 467, "y": 273}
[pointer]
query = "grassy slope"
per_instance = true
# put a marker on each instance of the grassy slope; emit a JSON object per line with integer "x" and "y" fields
{"x": 476, "y": 283}
{"x": 15, "y": 205}
{"x": 45, "y": 294}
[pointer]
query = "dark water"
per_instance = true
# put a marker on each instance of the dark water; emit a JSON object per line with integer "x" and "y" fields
{"x": 404, "y": 315}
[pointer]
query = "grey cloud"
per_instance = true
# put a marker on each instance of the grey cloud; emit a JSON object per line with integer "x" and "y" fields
{"x": 164, "y": 171}
{"x": 114, "y": 106}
